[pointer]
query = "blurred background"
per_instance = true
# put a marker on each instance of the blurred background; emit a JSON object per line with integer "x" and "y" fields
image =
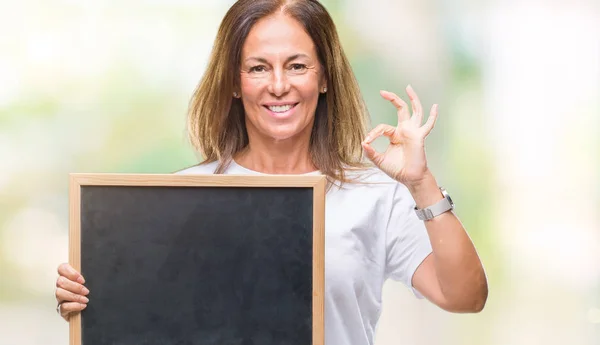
{"x": 103, "y": 86}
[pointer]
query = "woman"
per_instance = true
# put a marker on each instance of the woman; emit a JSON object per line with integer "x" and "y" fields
{"x": 279, "y": 97}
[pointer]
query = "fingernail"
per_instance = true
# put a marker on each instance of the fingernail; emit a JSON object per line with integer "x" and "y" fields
{"x": 84, "y": 306}
{"x": 85, "y": 291}
{"x": 84, "y": 299}
{"x": 80, "y": 280}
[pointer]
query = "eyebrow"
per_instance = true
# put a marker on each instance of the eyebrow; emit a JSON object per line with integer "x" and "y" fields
{"x": 263, "y": 60}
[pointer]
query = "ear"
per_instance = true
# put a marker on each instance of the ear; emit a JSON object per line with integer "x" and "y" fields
{"x": 322, "y": 79}
{"x": 323, "y": 85}
{"x": 236, "y": 89}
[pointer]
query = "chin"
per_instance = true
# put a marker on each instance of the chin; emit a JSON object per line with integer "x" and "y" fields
{"x": 282, "y": 135}
{"x": 284, "y": 132}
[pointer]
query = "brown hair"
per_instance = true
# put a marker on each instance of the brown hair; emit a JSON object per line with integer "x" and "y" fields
{"x": 216, "y": 120}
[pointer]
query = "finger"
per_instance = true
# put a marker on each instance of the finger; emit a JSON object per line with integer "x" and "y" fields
{"x": 381, "y": 129}
{"x": 72, "y": 286}
{"x": 433, "y": 114}
{"x": 68, "y": 308}
{"x": 63, "y": 295}
{"x": 416, "y": 104}
{"x": 400, "y": 105}
{"x": 66, "y": 270}
{"x": 372, "y": 154}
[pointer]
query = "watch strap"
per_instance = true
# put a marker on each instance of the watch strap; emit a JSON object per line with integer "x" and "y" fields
{"x": 436, "y": 209}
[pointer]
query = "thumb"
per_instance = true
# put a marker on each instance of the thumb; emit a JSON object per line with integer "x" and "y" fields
{"x": 372, "y": 154}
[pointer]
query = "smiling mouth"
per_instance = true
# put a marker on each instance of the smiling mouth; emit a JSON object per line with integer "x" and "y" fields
{"x": 281, "y": 108}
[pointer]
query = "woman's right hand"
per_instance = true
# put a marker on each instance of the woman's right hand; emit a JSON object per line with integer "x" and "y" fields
{"x": 70, "y": 292}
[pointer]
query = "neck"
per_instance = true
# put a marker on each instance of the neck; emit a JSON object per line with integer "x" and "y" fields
{"x": 277, "y": 157}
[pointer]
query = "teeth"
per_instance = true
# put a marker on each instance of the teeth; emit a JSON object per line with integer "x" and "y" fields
{"x": 280, "y": 108}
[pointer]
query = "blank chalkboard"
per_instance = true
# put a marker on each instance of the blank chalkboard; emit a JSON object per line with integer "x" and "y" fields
{"x": 198, "y": 259}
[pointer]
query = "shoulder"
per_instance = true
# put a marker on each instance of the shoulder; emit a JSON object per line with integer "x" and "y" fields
{"x": 372, "y": 181}
{"x": 370, "y": 177}
{"x": 199, "y": 169}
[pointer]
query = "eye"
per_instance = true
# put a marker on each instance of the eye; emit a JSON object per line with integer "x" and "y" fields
{"x": 298, "y": 67}
{"x": 259, "y": 68}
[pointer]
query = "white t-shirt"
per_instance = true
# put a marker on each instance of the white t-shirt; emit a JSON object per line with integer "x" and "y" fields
{"x": 371, "y": 234}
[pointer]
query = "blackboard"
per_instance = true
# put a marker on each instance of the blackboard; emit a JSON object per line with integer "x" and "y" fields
{"x": 198, "y": 259}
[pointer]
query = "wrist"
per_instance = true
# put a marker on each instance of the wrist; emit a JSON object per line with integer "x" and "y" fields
{"x": 426, "y": 191}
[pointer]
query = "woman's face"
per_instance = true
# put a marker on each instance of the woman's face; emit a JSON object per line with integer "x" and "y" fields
{"x": 281, "y": 79}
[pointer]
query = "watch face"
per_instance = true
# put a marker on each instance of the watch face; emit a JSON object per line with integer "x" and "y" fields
{"x": 447, "y": 196}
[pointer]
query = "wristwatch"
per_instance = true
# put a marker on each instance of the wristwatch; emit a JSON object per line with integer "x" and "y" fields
{"x": 436, "y": 209}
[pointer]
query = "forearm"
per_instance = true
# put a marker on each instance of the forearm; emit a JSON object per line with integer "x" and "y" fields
{"x": 458, "y": 268}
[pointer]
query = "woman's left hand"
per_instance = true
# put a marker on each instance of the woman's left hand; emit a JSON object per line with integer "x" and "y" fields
{"x": 404, "y": 159}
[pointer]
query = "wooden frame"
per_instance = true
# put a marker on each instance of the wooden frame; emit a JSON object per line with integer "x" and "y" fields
{"x": 317, "y": 183}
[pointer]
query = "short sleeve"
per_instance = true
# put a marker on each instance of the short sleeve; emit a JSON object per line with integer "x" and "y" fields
{"x": 407, "y": 241}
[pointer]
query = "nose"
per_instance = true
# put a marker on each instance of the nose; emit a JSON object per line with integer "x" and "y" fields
{"x": 279, "y": 84}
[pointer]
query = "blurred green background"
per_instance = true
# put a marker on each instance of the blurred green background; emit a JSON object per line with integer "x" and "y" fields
{"x": 103, "y": 86}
